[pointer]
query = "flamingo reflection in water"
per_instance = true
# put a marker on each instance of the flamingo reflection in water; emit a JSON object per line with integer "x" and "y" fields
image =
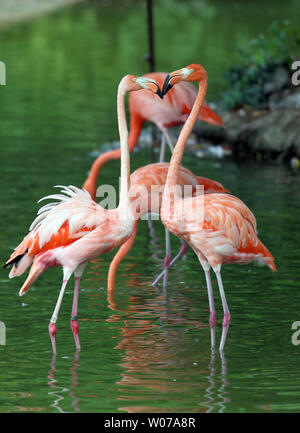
{"x": 157, "y": 355}
{"x": 155, "y": 348}
{"x": 59, "y": 393}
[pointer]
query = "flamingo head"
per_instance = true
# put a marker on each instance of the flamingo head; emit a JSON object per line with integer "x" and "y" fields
{"x": 132, "y": 83}
{"x": 193, "y": 72}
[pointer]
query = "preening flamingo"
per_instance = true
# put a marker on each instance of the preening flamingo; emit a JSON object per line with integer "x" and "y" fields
{"x": 164, "y": 113}
{"x": 151, "y": 176}
{"x": 227, "y": 233}
{"x": 74, "y": 230}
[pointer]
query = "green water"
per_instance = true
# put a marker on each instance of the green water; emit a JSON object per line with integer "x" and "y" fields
{"x": 139, "y": 352}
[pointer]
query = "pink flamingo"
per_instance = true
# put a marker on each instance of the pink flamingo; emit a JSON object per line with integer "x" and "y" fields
{"x": 74, "y": 230}
{"x": 149, "y": 177}
{"x": 226, "y": 233}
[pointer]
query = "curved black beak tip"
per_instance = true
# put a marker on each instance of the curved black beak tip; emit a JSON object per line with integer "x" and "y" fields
{"x": 167, "y": 86}
{"x": 159, "y": 93}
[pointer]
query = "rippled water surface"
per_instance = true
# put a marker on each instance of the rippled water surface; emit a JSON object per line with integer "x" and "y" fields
{"x": 140, "y": 351}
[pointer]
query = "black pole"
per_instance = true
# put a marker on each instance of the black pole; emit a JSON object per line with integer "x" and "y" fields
{"x": 151, "y": 59}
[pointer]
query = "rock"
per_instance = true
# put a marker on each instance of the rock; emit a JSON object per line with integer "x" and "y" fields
{"x": 274, "y": 132}
{"x": 291, "y": 101}
{"x": 279, "y": 80}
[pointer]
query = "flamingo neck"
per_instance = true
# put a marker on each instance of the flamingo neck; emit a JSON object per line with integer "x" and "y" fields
{"x": 90, "y": 184}
{"x": 124, "y": 203}
{"x": 185, "y": 132}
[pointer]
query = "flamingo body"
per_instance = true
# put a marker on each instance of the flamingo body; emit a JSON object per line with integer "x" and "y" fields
{"x": 68, "y": 233}
{"x": 227, "y": 234}
{"x": 149, "y": 176}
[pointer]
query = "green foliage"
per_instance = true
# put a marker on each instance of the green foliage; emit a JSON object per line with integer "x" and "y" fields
{"x": 259, "y": 58}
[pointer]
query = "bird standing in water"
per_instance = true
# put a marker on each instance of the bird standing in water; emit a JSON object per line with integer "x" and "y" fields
{"x": 219, "y": 227}
{"x": 74, "y": 230}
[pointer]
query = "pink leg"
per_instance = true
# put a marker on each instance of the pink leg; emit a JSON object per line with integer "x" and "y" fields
{"x": 183, "y": 249}
{"x": 167, "y": 261}
{"x": 52, "y": 327}
{"x": 212, "y": 311}
{"x": 74, "y": 323}
{"x": 167, "y": 258}
{"x": 227, "y": 317}
{"x": 52, "y": 332}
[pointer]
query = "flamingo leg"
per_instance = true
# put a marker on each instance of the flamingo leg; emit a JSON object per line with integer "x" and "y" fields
{"x": 52, "y": 325}
{"x": 167, "y": 258}
{"x": 74, "y": 323}
{"x": 162, "y": 148}
{"x": 227, "y": 317}
{"x": 183, "y": 249}
{"x": 169, "y": 141}
{"x": 212, "y": 311}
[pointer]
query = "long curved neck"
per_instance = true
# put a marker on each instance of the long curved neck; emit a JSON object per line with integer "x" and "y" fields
{"x": 185, "y": 132}
{"x": 125, "y": 158}
{"x": 90, "y": 184}
{"x": 123, "y": 251}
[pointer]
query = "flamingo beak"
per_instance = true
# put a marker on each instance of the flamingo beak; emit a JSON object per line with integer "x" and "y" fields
{"x": 159, "y": 92}
{"x": 167, "y": 86}
{"x": 172, "y": 79}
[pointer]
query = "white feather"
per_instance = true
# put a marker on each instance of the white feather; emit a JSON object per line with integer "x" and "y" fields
{"x": 73, "y": 205}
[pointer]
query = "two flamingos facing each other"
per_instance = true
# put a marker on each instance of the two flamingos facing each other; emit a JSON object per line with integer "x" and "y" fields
{"x": 165, "y": 113}
{"x": 225, "y": 232}
{"x": 75, "y": 229}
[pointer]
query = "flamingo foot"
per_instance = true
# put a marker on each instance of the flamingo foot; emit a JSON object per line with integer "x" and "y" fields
{"x": 52, "y": 332}
{"x": 75, "y": 330}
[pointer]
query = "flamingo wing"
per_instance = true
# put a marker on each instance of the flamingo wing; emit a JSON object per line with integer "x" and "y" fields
{"x": 73, "y": 215}
{"x": 230, "y": 231}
